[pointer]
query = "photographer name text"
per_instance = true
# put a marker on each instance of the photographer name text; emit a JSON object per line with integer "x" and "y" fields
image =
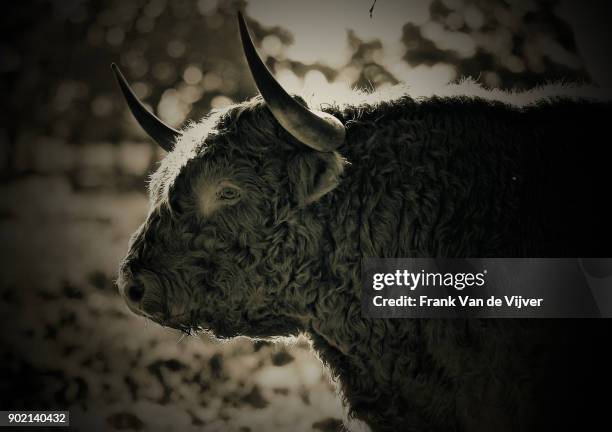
{"x": 458, "y": 281}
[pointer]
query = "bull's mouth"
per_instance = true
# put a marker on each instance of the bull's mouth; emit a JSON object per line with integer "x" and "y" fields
{"x": 187, "y": 322}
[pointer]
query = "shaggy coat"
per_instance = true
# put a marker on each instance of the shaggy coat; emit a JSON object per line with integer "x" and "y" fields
{"x": 456, "y": 176}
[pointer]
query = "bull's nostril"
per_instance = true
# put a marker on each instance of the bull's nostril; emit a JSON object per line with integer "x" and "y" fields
{"x": 135, "y": 292}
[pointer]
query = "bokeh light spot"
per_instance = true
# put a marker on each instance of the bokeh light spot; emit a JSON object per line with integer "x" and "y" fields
{"x": 192, "y": 75}
{"x": 220, "y": 102}
{"x": 115, "y": 36}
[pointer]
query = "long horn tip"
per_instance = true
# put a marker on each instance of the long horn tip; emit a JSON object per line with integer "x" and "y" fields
{"x": 163, "y": 134}
{"x": 117, "y": 73}
{"x": 242, "y": 26}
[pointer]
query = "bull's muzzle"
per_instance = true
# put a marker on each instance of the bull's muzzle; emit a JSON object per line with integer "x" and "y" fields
{"x": 137, "y": 295}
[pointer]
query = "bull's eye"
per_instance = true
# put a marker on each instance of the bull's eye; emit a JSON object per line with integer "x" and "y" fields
{"x": 228, "y": 194}
{"x": 213, "y": 196}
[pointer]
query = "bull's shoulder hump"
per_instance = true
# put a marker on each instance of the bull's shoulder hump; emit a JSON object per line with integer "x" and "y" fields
{"x": 564, "y": 90}
{"x": 468, "y": 88}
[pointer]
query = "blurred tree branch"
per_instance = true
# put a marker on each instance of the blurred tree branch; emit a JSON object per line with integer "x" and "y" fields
{"x": 372, "y": 8}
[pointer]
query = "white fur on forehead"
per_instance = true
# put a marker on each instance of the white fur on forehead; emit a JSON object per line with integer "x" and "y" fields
{"x": 187, "y": 146}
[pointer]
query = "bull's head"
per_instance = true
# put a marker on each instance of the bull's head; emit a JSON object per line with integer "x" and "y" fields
{"x": 232, "y": 240}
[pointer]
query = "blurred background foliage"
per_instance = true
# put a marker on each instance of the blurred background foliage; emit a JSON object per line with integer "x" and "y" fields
{"x": 183, "y": 58}
{"x": 73, "y": 165}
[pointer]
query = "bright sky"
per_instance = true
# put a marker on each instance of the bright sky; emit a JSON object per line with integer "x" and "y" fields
{"x": 320, "y": 29}
{"x": 320, "y": 26}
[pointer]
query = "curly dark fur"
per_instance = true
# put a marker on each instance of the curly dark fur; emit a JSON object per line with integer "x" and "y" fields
{"x": 452, "y": 177}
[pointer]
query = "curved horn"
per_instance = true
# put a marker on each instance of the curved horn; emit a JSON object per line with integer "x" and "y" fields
{"x": 163, "y": 134}
{"x": 318, "y": 130}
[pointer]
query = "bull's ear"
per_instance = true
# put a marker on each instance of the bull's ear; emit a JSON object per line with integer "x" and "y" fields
{"x": 313, "y": 174}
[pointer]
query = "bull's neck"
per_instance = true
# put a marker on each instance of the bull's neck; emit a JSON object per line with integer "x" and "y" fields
{"x": 397, "y": 198}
